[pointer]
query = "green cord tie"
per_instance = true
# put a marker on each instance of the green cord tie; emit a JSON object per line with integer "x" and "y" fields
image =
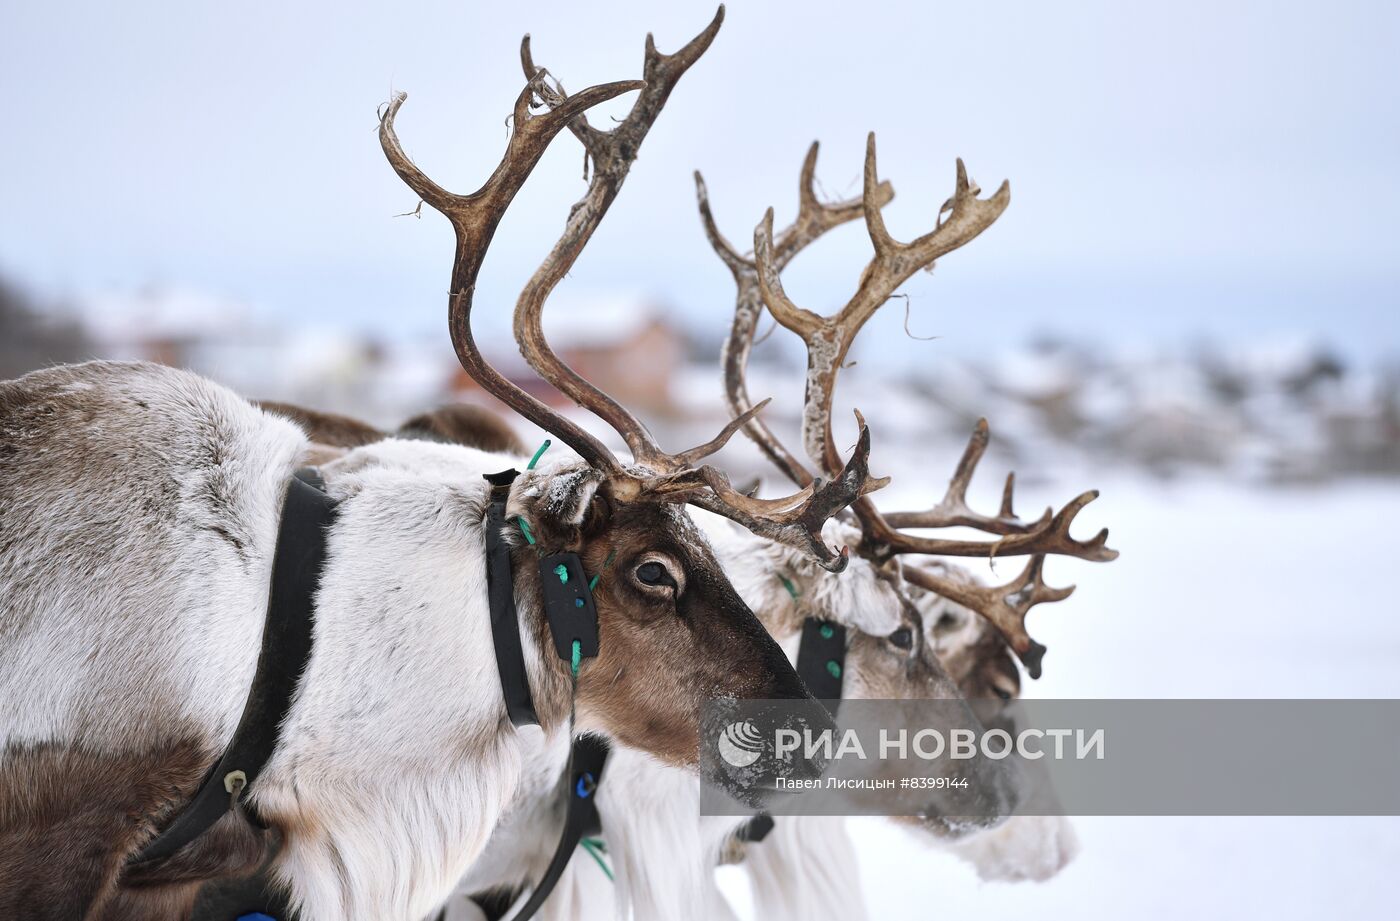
{"x": 525, "y": 528}
{"x": 596, "y": 849}
{"x": 593, "y": 582}
{"x": 536, "y": 459}
{"x": 577, "y": 657}
{"x": 791, "y": 589}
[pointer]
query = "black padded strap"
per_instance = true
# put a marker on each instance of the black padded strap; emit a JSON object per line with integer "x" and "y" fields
{"x": 586, "y": 760}
{"x": 505, "y": 620}
{"x": 307, "y": 515}
{"x": 821, "y": 664}
{"x": 821, "y": 660}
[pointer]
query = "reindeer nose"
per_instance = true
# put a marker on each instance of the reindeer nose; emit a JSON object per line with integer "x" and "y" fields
{"x": 995, "y": 797}
{"x": 804, "y": 720}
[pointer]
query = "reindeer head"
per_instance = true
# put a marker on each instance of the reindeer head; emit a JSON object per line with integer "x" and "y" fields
{"x": 672, "y": 630}
{"x": 975, "y": 655}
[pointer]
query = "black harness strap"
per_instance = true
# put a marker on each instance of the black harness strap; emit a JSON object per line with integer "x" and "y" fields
{"x": 586, "y": 760}
{"x": 821, "y": 664}
{"x": 307, "y": 515}
{"x": 505, "y": 620}
{"x": 821, "y": 660}
{"x": 755, "y": 829}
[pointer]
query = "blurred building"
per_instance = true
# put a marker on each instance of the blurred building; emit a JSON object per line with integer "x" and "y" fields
{"x": 1275, "y": 412}
{"x": 628, "y": 349}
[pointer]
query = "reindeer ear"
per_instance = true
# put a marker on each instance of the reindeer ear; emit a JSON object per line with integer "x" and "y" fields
{"x": 557, "y": 506}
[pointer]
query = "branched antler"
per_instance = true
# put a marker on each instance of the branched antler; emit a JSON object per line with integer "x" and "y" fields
{"x": 612, "y": 153}
{"x": 1049, "y": 535}
{"x": 814, "y": 218}
{"x": 474, "y": 218}
{"x": 655, "y": 473}
{"x": 828, "y": 340}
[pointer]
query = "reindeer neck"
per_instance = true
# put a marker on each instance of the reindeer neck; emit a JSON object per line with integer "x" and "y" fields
{"x": 400, "y": 720}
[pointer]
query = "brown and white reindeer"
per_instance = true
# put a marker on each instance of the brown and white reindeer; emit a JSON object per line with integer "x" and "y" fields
{"x": 1027, "y": 846}
{"x": 139, "y": 512}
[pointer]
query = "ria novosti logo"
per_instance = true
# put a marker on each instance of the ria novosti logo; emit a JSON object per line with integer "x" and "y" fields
{"x": 741, "y": 744}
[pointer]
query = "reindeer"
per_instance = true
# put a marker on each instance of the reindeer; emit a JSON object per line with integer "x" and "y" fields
{"x": 1025, "y": 847}
{"x": 139, "y": 507}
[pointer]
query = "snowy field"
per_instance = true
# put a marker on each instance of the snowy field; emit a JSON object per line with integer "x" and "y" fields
{"x": 1222, "y": 590}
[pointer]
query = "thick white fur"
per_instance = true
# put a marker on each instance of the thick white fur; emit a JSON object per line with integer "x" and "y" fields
{"x": 130, "y": 619}
{"x": 138, "y": 621}
{"x": 857, "y": 597}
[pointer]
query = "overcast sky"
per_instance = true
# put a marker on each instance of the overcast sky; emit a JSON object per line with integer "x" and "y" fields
{"x": 1177, "y": 169}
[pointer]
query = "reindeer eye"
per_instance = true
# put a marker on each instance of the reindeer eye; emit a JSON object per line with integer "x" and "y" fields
{"x": 653, "y": 573}
{"x": 946, "y": 620}
{"x": 1003, "y": 693}
{"x": 902, "y": 638}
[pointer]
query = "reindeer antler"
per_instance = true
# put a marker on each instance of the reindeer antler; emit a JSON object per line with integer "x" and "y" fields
{"x": 828, "y": 340}
{"x": 474, "y": 218}
{"x": 663, "y": 476}
{"x": 814, "y": 218}
{"x": 953, "y": 510}
{"x": 612, "y": 153}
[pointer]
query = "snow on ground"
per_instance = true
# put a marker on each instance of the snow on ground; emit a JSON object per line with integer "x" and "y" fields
{"x": 1222, "y": 590}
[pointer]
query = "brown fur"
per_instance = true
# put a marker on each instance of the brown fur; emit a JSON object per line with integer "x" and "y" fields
{"x": 325, "y": 428}
{"x": 456, "y": 423}
{"x": 70, "y": 820}
{"x": 465, "y": 424}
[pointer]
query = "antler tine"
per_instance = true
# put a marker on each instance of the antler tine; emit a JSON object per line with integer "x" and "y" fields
{"x": 797, "y": 520}
{"x": 953, "y": 510}
{"x": 1051, "y": 537}
{"x": 1004, "y": 606}
{"x": 814, "y": 218}
{"x": 579, "y": 125}
{"x": 474, "y": 218}
{"x": 969, "y": 216}
{"x": 689, "y": 458}
{"x": 612, "y": 153}
{"x": 736, "y": 263}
